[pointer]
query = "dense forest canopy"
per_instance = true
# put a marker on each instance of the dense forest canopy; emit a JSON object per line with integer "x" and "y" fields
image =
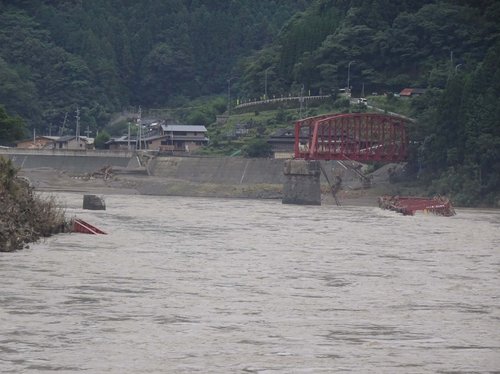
{"x": 104, "y": 55}
{"x": 390, "y": 45}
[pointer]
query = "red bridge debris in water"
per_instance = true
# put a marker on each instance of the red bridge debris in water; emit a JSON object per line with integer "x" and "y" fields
{"x": 354, "y": 136}
{"x": 83, "y": 227}
{"x": 409, "y": 205}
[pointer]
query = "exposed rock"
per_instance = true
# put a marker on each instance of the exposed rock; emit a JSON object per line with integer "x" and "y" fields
{"x": 93, "y": 202}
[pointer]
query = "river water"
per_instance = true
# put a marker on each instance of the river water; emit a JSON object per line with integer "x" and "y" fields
{"x": 192, "y": 285}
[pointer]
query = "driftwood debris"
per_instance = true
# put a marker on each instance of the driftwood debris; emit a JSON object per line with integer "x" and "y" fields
{"x": 105, "y": 173}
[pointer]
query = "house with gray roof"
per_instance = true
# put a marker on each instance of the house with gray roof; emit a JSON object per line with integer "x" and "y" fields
{"x": 183, "y": 137}
{"x": 169, "y": 138}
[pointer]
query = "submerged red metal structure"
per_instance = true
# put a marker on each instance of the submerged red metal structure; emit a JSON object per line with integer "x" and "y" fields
{"x": 408, "y": 205}
{"x": 83, "y": 227}
{"x": 360, "y": 137}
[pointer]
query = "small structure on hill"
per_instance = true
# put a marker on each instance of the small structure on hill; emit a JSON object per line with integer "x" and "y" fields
{"x": 163, "y": 137}
{"x": 122, "y": 143}
{"x": 69, "y": 142}
{"x": 283, "y": 142}
{"x": 183, "y": 137}
{"x": 38, "y": 142}
{"x": 410, "y": 92}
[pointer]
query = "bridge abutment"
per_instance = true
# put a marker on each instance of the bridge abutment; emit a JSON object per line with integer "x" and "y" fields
{"x": 302, "y": 182}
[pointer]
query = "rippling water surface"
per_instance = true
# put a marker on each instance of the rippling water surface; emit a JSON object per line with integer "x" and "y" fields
{"x": 184, "y": 285}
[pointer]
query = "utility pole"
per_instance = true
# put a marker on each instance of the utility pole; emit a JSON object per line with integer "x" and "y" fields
{"x": 450, "y": 71}
{"x": 349, "y": 77}
{"x": 77, "y": 124}
{"x": 229, "y": 96}
{"x": 265, "y": 83}
{"x": 88, "y": 132}
{"x": 140, "y": 127}
{"x": 301, "y": 100}
{"x": 61, "y": 130}
{"x": 128, "y": 139}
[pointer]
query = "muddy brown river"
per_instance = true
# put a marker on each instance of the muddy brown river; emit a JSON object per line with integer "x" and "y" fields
{"x": 193, "y": 285}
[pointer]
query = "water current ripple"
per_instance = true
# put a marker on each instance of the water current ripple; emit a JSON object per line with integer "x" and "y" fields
{"x": 184, "y": 285}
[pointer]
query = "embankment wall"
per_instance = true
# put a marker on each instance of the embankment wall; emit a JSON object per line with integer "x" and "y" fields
{"x": 72, "y": 162}
{"x": 212, "y": 170}
{"x": 220, "y": 170}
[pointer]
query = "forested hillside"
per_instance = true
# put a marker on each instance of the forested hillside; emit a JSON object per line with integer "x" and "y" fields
{"x": 457, "y": 137}
{"x": 104, "y": 55}
{"x": 390, "y": 45}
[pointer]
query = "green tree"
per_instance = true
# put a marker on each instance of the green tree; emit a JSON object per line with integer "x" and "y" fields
{"x": 458, "y": 133}
{"x": 166, "y": 72}
{"x": 199, "y": 117}
{"x": 257, "y": 148}
{"x": 101, "y": 139}
{"x": 11, "y": 128}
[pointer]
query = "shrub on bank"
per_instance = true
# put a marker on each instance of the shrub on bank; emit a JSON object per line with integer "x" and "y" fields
{"x": 25, "y": 217}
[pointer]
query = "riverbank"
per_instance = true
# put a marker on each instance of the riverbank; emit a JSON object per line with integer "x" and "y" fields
{"x": 24, "y": 216}
{"x": 53, "y": 181}
{"x": 219, "y": 177}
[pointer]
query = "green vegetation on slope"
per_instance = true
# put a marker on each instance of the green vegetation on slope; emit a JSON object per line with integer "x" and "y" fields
{"x": 384, "y": 45}
{"x": 11, "y": 128}
{"x": 457, "y": 136}
{"x": 24, "y": 217}
{"x": 106, "y": 55}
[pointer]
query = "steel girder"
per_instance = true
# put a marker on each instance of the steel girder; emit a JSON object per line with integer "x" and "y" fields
{"x": 354, "y": 136}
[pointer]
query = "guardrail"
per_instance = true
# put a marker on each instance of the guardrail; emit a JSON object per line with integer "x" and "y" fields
{"x": 281, "y": 99}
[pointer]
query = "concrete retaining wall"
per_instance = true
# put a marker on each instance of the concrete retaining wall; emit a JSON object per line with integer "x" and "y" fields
{"x": 66, "y": 152}
{"x": 220, "y": 170}
{"x": 70, "y": 163}
{"x": 233, "y": 170}
{"x": 216, "y": 170}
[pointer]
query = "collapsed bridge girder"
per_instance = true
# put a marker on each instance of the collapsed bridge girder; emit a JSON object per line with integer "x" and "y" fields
{"x": 354, "y": 136}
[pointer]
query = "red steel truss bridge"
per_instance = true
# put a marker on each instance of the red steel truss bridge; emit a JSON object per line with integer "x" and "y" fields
{"x": 360, "y": 137}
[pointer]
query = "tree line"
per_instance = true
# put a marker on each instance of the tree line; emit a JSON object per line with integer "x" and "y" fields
{"x": 106, "y": 55}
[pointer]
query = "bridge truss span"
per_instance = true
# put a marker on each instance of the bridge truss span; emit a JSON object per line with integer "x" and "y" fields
{"x": 360, "y": 137}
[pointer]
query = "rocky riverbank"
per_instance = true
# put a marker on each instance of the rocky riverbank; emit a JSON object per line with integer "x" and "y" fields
{"x": 24, "y": 216}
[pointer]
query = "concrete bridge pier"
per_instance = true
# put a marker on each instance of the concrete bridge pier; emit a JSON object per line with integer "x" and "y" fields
{"x": 302, "y": 182}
